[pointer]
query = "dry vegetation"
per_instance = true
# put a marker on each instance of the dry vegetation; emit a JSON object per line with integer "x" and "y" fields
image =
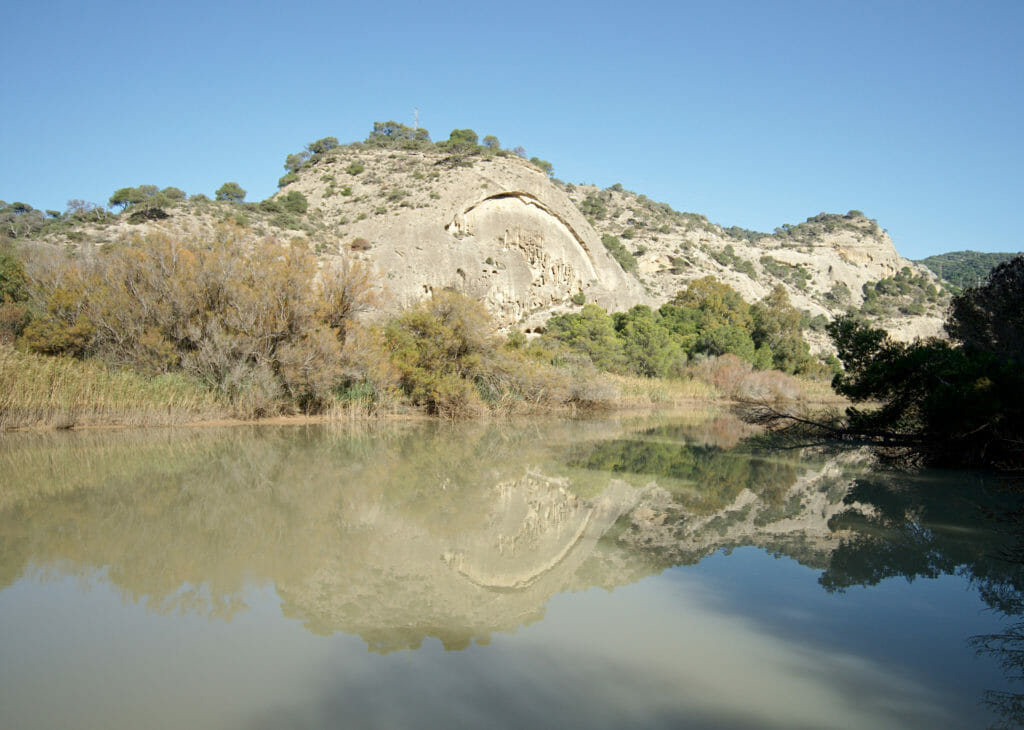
{"x": 62, "y": 392}
{"x": 171, "y": 329}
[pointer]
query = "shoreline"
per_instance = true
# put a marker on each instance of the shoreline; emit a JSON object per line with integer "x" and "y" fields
{"x": 417, "y": 416}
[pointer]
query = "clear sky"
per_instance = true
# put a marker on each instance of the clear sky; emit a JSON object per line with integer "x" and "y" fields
{"x": 752, "y": 113}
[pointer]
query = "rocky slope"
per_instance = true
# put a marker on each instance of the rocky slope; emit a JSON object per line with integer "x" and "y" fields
{"x": 823, "y": 263}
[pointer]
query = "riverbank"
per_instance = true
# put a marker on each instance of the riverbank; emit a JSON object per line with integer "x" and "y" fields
{"x": 39, "y": 392}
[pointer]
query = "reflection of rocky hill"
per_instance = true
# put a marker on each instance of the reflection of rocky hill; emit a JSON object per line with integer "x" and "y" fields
{"x": 397, "y": 536}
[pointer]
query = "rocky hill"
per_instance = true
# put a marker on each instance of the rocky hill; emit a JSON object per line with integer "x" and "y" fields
{"x": 489, "y": 223}
{"x": 828, "y": 264}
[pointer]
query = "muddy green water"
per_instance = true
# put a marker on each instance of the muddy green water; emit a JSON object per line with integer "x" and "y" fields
{"x": 604, "y": 574}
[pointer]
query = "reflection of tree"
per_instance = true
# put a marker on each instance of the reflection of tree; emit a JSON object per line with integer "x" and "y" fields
{"x": 380, "y": 534}
{"x": 701, "y": 478}
{"x": 1008, "y": 648}
{"x": 943, "y": 525}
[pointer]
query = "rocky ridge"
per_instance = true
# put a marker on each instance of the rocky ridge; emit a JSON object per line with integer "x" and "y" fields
{"x": 495, "y": 227}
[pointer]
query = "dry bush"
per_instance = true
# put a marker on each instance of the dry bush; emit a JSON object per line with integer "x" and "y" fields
{"x": 769, "y": 386}
{"x": 513, "y": 382}
{"x": 591, "y": 390}
{"x": 347, "y": 290}
{"x": 725, "y": 373}
{"x": 256, "y": 322}
{"x": 13, "y": 319}
{"x": 736, "y": 379}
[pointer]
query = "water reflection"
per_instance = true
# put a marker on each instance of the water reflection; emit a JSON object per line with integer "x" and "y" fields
{"x": 397, "y": 534}
{"x": 943, "y": 523}
{"x": 401, "y": 533}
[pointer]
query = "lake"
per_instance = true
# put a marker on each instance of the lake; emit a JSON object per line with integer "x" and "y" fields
{"x": 656, "y": 572}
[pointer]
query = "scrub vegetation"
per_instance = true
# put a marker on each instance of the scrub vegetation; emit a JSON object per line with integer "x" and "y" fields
{"x": 165, "y": 329}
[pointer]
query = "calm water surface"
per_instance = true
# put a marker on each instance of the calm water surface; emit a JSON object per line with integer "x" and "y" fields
{"x": 650, "y": 573}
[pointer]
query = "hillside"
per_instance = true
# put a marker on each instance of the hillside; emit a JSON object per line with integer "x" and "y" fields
{"x": 965, "y": 268}
{"x": 481, "y": 220}
{"x": 828, "y": 264}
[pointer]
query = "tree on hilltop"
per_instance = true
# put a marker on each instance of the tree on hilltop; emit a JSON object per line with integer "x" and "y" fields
{"x": 231, "y": 192}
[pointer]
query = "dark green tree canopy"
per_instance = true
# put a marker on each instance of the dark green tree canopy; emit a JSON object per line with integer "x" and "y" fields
{"x": 463, "y": 138}
{"x": 295, "y": 202}
{"x": 959, "y": 403}
{"x": 322, "y": 145}
{"x": 394, "y": 134}
{"x": 232, "y": 192}
{"x": 990, "y": 318}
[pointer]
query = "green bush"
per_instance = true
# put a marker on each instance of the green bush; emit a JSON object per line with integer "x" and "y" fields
{"x": 593, "y": 207}
{"x": 295, "y": 202}
{"x": 619, "y": 252}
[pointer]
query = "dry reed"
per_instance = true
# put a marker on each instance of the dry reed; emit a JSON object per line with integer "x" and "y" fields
{"x": 59, "y": 392}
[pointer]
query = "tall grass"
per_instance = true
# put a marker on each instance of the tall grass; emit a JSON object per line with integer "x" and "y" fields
{"x": 60, "y": 392}
{"x": 637, "y": 392}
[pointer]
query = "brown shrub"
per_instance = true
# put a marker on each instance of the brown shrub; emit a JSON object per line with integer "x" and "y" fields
{"x": 236, "y": 315}
{"x": 736, "y": 379}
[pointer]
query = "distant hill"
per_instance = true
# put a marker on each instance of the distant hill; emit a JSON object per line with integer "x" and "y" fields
{"x": 965, "y": 268}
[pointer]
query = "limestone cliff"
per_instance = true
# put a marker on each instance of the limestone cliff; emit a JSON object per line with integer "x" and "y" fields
{"x": 493, "y": 227}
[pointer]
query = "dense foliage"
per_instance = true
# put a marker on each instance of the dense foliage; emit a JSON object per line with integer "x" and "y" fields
{"x": 708, "y": 318}
{"x": 266, "y": 329}
{"x": 958, "y": 402}
{"x": 965, "y": 268}
{"x": 904, "y": 293}
{"x": 22, "y": 221}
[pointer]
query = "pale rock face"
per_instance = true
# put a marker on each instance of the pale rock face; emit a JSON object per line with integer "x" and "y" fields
{"x": 498, "y": 231}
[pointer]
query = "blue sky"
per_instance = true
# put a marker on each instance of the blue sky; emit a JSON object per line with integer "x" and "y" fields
{"x": 752, "y": 113}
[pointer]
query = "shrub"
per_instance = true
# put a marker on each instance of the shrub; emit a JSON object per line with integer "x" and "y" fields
{"x": 593, "y": 207}
{"x": 619, "y": 252}
{"x": 295, "y": 202}
{"x": 251, "y": 322}
{"x": 439, "y": 348}
{"x": 355, "y": 167}
{"x": 737, "y": 379}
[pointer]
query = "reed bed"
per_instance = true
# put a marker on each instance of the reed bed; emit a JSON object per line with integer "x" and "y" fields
{"x": 38, "y": 391}
{"x": 637, "y": 392}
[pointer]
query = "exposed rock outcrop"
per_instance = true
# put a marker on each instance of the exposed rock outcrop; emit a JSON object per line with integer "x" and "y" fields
{"x": 495, "y": 228}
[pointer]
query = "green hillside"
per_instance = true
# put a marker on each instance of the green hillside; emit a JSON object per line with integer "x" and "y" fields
{"x": 965, "y": 268}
